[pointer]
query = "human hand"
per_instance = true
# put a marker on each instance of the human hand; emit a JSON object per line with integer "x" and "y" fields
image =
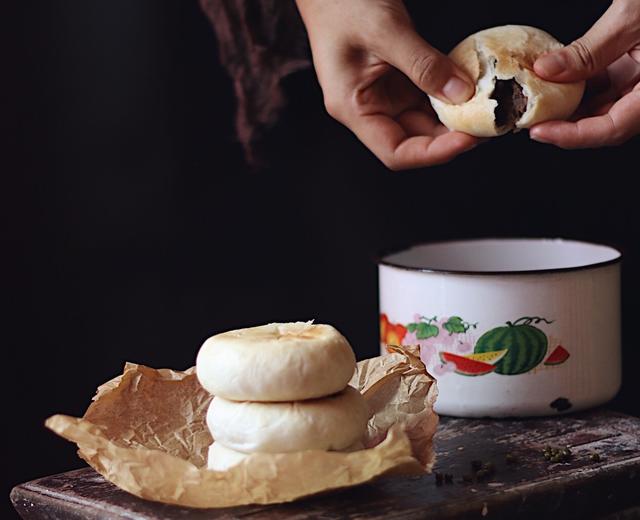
{"x": 608, "y": 55}
{"x": 375, "y": 71}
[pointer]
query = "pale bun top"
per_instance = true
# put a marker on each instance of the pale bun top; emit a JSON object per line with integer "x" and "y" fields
{"x": 507, "y": 53}
{"x": 276, "y": 362}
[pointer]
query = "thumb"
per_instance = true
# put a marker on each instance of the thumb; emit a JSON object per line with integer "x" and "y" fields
{"x": 429, "y": 69}
{"x": 610, "y": 37}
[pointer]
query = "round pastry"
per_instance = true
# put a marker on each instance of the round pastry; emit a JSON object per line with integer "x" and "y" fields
{"x": 509, "y": 95}
{"x": 221, "y": 458}
{"x": 276, "y": 362}
{"x": 329, "y": 423}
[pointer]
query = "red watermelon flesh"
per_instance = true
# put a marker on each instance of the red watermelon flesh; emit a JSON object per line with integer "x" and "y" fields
{"x": 466, "y": 366}
{"x": 558, "y": 356}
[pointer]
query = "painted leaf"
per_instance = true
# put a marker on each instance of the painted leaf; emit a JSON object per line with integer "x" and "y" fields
{"x": 412, "y": 327}
{"x": 455, "y": 325}
{"x": 425, "y": 330}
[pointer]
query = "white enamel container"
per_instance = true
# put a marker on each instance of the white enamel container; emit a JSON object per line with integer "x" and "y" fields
{"x": 509, "y": 327}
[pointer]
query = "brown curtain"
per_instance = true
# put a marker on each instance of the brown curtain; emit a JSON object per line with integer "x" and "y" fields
{"x": 260, "y": 42}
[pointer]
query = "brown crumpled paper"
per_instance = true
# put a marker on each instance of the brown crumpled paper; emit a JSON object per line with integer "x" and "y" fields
{"x": 145, "y": 432}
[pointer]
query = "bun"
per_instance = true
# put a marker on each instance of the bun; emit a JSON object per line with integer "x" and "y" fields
{"x": 276, "y": 362}
{"x": 331, "y": 423}
{"x": 221, "y": 458}
{"x": 509, "y": 95}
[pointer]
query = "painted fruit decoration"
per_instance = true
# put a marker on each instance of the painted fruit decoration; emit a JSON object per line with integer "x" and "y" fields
{"x": 391, "y": 333}
{"x": 525, "y": 344}
{"x": 473, "y": 364}
{"x": 465, "y": 366}
{"x": 558, "y": 356}
{"x": 449, "y": 344}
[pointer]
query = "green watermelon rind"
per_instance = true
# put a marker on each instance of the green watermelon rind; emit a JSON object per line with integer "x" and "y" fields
{"x": 526, "y": 348}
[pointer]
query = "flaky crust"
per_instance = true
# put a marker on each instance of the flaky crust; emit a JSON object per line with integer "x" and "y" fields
{"x": 507, "y": 52}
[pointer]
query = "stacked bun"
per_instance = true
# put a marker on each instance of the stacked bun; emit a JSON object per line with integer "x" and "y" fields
{"x": 280, "y": 388}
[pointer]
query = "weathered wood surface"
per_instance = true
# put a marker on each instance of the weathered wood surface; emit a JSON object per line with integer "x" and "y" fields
{"x": 531, "y": 487}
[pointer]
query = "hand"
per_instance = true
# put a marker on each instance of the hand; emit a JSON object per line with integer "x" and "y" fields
{"x": 374, "y": 70}
{"x": 608, "y": 55}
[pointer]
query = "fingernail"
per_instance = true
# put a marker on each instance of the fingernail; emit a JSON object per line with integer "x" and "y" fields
{"x": 457, "y": 91}
{"x": 551, "y": 64}
{"x": 533, "y": 134}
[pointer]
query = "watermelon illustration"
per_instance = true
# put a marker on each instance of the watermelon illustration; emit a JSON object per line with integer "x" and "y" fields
{"x": 488, "y": 357}
{"x": 558, "y": 356}
{"x": 467, "y": 366}
{"x": 526, "y": 345}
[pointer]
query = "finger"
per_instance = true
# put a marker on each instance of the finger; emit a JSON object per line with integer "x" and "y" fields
{"x": 593, "y": 108}
{"x": 598, "y": 84}
{"x": 424, "y": 122}
{"x": 429, "y": 69}
{"x": 418, "y": 122}
{"x": 591, "y": 132}
{"x": 608, "y": 86}
{"x": 610, "y": 37}
{"x": 623, "y": 73}
{"x": 389, "y": 94}
{"x": 422, "y": 151}
{"x": 616, "y": 126}
{"x": 398, "y": 151}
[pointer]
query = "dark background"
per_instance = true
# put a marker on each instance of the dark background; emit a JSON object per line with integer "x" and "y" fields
{"x": 134, "y": 229}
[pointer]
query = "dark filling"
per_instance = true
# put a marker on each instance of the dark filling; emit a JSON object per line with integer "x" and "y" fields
{"x": 512, "y": 103}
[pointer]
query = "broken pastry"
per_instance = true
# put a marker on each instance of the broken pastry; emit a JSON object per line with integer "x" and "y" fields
{"x": 509, "y": 95}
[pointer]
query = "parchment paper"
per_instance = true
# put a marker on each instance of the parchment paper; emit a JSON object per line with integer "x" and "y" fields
{"x": 145, "y": 432}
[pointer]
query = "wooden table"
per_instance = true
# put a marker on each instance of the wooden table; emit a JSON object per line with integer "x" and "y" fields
{"x": 523, "y": 484}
